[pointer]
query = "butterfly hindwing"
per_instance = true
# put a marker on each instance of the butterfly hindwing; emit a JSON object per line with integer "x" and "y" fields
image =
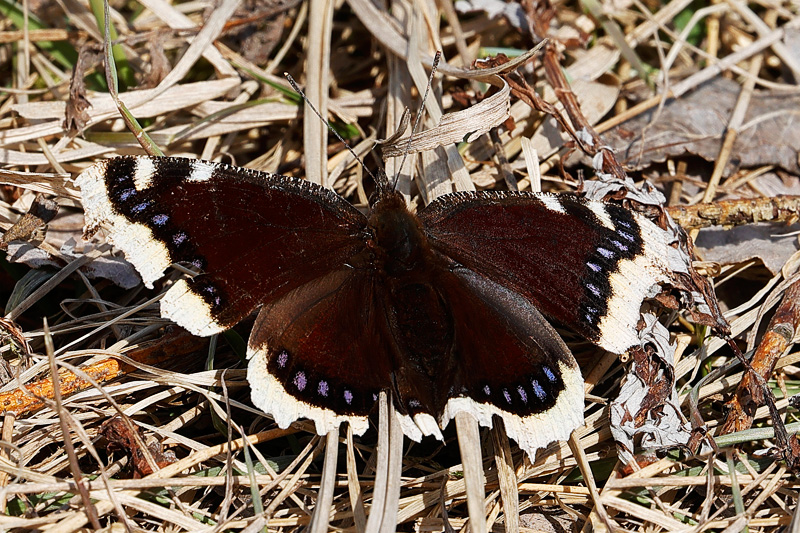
{"x": 245, "y": 231}
{"x": 511, "y": 361}
{"x": 319, "y": 352}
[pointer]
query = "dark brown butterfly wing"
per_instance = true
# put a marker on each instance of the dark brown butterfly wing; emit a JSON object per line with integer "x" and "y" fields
{"x": 246, "y": 231}
{"x": 511, "y": 363}
{"x": 586, "y": 264}
{"x": 320, "y": 352}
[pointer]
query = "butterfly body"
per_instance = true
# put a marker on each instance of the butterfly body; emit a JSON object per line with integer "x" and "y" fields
{"x": 444, "y": 309}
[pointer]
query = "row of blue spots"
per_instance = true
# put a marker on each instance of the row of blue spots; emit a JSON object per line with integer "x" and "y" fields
{"x": 610, "y": 254}
{"x": 158, "y": 220}
{"x": 301, "y": 381}
{"x": 538, "y": 390}
{"x": 212, "y": 291}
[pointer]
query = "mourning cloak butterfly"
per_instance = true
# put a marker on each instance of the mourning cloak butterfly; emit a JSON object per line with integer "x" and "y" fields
{"x": 444, "y": 309}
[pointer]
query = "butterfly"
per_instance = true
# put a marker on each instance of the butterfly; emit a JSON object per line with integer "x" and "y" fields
{"x": 446, "y": 309}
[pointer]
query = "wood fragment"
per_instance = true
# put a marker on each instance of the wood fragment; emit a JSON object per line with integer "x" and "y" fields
{"x": 31, "y": 397}
{"x": 119, "y": 437}
{"x": 749, "y": 395}
{"x": 784, "y": 209}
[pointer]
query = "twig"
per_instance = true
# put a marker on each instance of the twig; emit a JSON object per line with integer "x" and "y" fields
{"x": 778, "y": 337}
{"x": 737, "y": 212}
{"x": 77, "y": 475}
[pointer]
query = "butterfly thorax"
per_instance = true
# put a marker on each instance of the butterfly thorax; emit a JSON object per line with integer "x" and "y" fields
{"x": 399, "y": 244}
{"x": 421, "y": 324}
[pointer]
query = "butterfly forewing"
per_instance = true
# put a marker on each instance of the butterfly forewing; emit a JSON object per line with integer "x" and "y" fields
{"x": 582, "y": 263}
{"x": 246, "y": 232}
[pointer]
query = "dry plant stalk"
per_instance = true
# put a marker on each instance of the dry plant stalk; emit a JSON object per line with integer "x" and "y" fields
{"x": 779, "y": 336}
{"x": 784, "y": 209}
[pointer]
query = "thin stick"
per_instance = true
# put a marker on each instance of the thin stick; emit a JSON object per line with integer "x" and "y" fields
{"x": 69, "y": 449}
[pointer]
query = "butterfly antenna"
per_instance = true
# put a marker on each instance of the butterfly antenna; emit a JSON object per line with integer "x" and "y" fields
{"x": 436, "y": 58}
{"x": 299, "y": 91}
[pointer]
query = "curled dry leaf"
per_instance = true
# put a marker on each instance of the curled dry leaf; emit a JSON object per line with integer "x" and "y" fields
{"x": 75, "y": 115}
{"x": 63, "y": 243}
{"x": 648, "y": 403}
{"x": 466, "y": 125}
{"x": 120, "y": 438}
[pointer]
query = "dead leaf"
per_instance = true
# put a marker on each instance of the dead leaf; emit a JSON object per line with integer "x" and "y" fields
{"x": 40, "y": 213}
{"x": 159, "y": 62}
{"x": 120, "y": 438}
{"x": 64, "y": 233}
{"x": 75, "y": 115}
{"x": 695, "y": 124}
{"x": 648, "y": 404}
{"x": 772, "y": 245}
{"x": 257, "y": 27}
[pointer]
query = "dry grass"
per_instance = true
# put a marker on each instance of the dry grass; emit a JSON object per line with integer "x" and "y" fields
{"x": 199, "y": 94}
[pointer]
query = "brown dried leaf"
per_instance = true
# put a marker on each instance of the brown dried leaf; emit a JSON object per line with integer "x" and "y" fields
{"x": 696, "y": 123}
{"x": 40, "y": 213}
{"x": 159, "y": 62}
{"x": 75, "y": 115}
{"x": 648, "y": 403}
{"x": 257, "y": 27}
{"x": 120, "y": 438}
